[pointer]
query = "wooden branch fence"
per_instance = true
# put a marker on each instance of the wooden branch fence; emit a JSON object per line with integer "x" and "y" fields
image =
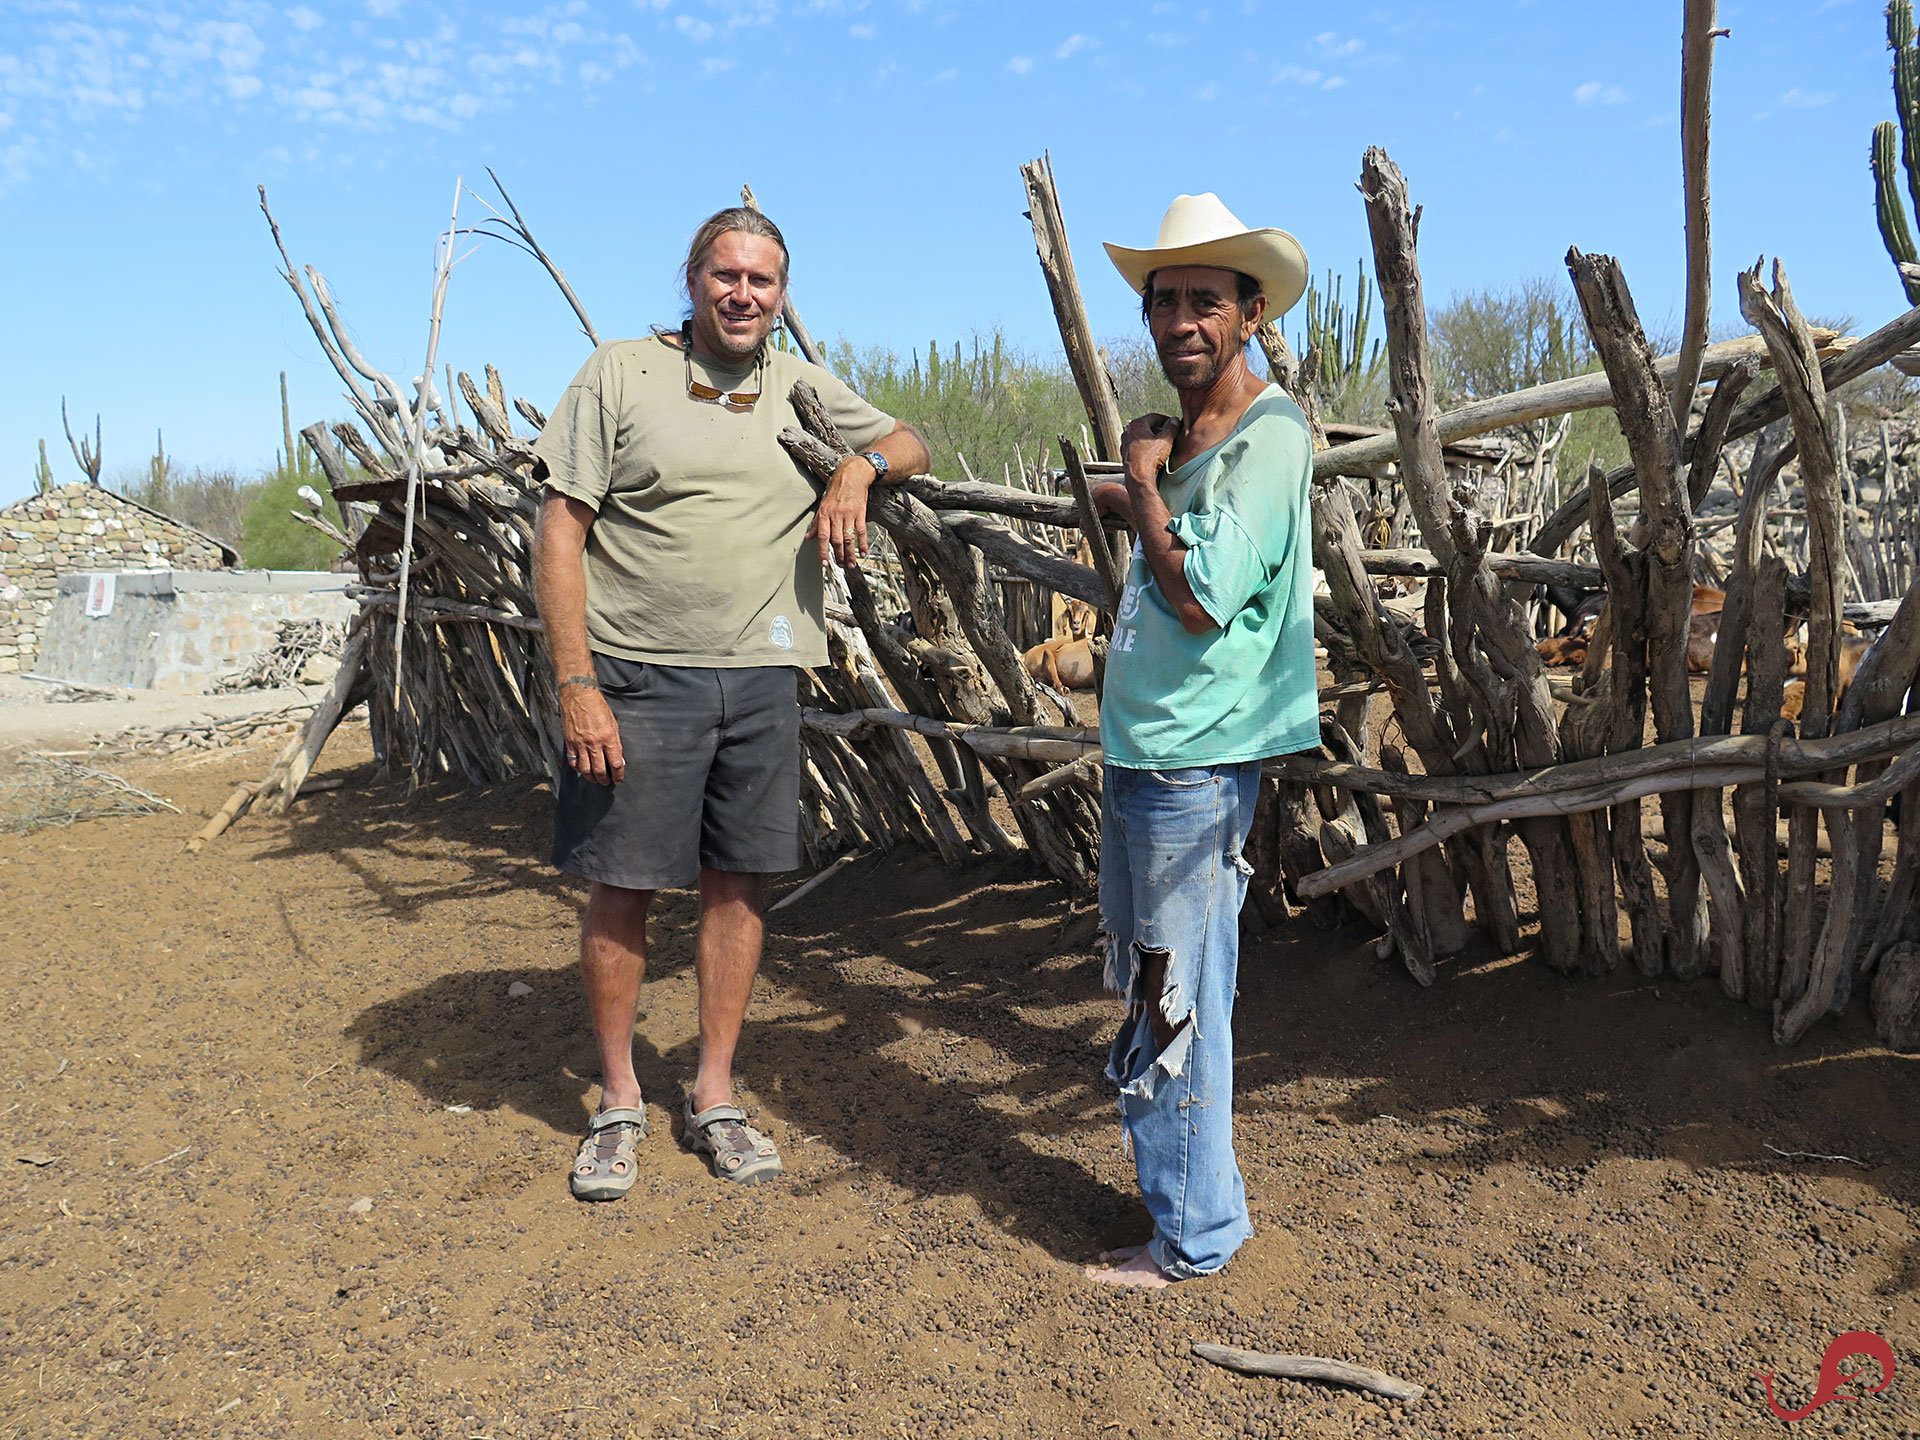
{"x": 1445, "y": 736}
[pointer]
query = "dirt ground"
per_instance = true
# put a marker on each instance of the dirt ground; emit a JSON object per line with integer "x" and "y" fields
{"x": 284, "y": 1157}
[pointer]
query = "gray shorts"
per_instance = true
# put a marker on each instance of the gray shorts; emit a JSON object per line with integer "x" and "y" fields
{"x": 713, "y": 778}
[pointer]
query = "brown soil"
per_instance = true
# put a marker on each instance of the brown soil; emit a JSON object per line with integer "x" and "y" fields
{"x": 1551, "y": 1201}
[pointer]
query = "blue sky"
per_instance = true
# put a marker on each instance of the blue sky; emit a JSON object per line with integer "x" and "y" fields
{"x": 884, "y": 138}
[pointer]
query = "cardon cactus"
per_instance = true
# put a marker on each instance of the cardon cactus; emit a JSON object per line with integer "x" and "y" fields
{"x": 1894, "y": 230}
{"x": 1337, "y": 339}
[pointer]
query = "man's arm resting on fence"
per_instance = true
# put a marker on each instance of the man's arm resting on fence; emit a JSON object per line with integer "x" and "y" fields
{"x": 840, "y": 524}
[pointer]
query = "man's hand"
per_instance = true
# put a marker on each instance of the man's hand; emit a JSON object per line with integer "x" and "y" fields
{"x": 1110, "y": 497}
{"x": 1146, "y": 445}
{"x": 593, "y": 736}
{"x": 840, "y": 524}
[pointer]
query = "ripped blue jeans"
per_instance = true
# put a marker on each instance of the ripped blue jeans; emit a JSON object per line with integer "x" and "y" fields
{"x": 1172, "y": 880}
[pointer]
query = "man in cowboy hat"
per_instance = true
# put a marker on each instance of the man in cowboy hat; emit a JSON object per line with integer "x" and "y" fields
{"x": 678, "y": 566}
{"x": 1209, "y": 670}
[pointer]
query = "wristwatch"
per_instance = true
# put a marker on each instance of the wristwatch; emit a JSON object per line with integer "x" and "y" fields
{"x": 879, "y": 463}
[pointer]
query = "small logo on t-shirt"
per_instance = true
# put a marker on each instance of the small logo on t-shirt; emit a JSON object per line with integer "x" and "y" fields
{"x": 780, "y": 633}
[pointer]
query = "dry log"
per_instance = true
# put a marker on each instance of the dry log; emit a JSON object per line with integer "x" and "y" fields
{"x": 1027, "y": 742}
{"x": 1310, "y": 1367}
{"x": 1755, "y": 805}
{"x": 1809, "y": 975}
{"x": 1896, "y": 999}
{"x": 1097, "y": 391}
{"x": 432, "y": 610}
{"x": 1760, "y": 410}
{"x": 1755, "y": 752}
{"x": 1539, "y": 402}
{"x": 1084, "y": 772}
{"x": 225, "y": 816}
{"x": 1665, "y": 537}
{"x": 281, "y": 786}
{"x": 1394, "y": 225}
{"x": 1104, "y": 562}
{"x": 1727, "y": 896}
{"x": 1696, "y": 99}
{"x": 1381, "y": 896}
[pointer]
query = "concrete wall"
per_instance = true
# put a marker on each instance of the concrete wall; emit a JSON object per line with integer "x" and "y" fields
{"x": 181, "y": 630}
{"x": 81, "y": 528}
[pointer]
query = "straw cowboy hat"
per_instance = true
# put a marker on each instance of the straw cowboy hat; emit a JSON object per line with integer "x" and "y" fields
{"x": 1199, "y": 230}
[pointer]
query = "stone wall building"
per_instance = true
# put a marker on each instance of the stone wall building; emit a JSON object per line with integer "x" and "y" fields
{"x": 82, "y": 527}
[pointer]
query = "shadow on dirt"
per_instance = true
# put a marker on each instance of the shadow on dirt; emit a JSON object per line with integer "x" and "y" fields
{"x": 947, "y": 1031}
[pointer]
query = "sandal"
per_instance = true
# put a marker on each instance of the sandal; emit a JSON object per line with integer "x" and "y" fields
{"x": 739, "y": 1151}
{"x": 607, "y": 1164}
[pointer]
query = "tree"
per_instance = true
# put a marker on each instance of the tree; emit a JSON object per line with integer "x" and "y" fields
{"x": 1494, "y": 341}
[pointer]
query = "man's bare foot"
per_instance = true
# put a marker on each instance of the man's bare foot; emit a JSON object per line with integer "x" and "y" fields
{"x": 1124, "y": 1252}
{"x": 1140, "y": 1272}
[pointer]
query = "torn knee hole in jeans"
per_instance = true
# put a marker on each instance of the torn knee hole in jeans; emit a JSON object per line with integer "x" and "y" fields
{"x": 1157, "y": 966}
{"x": 1161, "y": 993}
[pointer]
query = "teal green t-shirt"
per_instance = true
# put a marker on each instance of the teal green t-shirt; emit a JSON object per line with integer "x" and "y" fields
{"x": 1246, "y": 690}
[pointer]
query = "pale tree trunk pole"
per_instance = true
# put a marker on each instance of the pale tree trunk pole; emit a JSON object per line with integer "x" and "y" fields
{"x": 1808, "y": 980}
{"x": 1090, "y": 373}
{"x": 1696, "y": 104}
{"x": 1394, "y": 225}
{"x": 1666, "y": 528}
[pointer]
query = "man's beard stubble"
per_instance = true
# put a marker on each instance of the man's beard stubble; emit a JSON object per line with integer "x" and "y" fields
{"x": 1203, "y": 369}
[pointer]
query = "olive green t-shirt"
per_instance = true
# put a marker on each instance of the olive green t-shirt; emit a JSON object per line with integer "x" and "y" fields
{"x": 697, "y": 554}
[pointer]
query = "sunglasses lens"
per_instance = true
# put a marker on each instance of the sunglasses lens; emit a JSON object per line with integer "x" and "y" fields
{"x": 702, "y": 392}
{"x": 743, "y": 398}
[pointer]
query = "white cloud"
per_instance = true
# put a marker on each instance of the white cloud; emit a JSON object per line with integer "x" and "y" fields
{"x": 1595, "y": 93}
{"x": 1020, "y": 65}
{"x": 1333, "y": 82}
{"x": 1797, "y": 99}
{"x": 861, "y": 32}
{"x": 1070, "y": 45}
{"x": 1332, "y": 46}
{"x": 694, "y": 28}
{"x": 1297, "y": 75}
{"x": 712, "y": 67}
{"x": 79, "y": 61}
{"x": 1207, "y": 93}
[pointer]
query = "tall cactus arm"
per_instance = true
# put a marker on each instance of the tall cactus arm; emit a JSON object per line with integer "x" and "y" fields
{"x": 1892, "y": 215}
{"x": 1906, "y": 90}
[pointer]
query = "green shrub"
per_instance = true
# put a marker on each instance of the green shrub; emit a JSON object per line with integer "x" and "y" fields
{"x": 271, "y": 539}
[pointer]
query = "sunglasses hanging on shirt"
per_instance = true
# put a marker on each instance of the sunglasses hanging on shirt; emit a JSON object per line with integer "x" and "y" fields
{"x": 711, "y": 395}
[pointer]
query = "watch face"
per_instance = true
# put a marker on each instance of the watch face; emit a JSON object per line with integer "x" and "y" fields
{"x": 877, "y": 460}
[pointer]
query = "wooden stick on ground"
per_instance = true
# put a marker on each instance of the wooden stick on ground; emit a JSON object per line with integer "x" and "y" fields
{"x": 235, "y": 807}
{"x": 800, "y": 892}
{"x": 1310, "y": 1367}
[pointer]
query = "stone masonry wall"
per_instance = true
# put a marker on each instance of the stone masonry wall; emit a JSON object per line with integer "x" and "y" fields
{"x": 79, "y": 528}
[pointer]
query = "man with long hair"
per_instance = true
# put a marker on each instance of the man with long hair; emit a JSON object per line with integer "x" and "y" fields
{"x": 678, "y": 565}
